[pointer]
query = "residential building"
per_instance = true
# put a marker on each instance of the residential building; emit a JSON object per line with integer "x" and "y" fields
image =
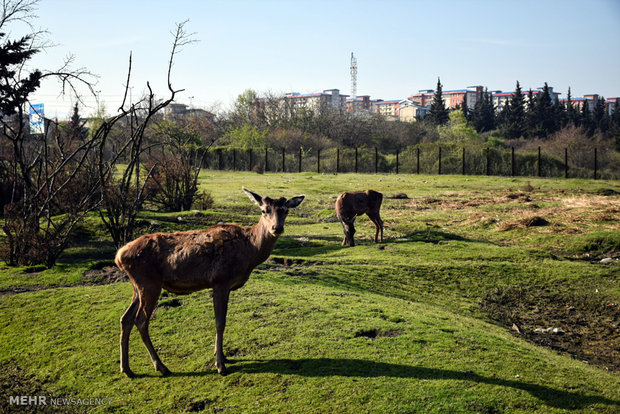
{"x": 452, "y": 98}
{"x": 331, "y": 98}
{"x": 362, "y": 103}
{"x": 410, "y": 111}
{"x": 500, "y": 98}
{"x": 388, "y": 109}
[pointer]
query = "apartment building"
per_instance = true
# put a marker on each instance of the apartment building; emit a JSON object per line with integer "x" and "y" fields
{"x": 500, "y": 98}
{"x": 452, "y": 99}
{"x": 410, "y": 111}
{"x": 330, "y": 98}
{"x": 362, "y": 103}
{"x": 389, "y": 109}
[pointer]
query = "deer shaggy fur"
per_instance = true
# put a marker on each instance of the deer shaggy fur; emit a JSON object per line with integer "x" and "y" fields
{"x": 351, "y": 205}
{"x": 220, "y": 258}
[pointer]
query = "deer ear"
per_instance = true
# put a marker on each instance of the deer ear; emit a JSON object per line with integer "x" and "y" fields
{"x": 253, "y": 196}
{"x": 295, "y": 201}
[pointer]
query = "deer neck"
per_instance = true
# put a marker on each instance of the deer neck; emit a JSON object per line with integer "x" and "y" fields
{"x": 263, "y": 241}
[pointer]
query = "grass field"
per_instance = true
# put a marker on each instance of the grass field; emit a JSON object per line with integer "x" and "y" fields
{"x": 454, "y": 312}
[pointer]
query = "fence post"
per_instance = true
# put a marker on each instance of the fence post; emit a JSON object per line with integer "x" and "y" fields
{"x": 439, "y": 171}
{"x": 418, "y": 164}
{"x": 251, "y": 161}
{"x": 595, "y": 162}
{"x": 234, "y": 160}
{"x": 299, "y": 159}
{"x": 539, "y": 169}
{"x": 463, "y": 161}
{"x": 356, "y": 160}
{"x": 219, "y": 159}
{"x": 397, "y": 151}
{"x": 283, "y": 160}
{"x": 318, "y": 161}
{"x": 338, "y": 160}
{"x": 512, "y": 161}
{"x": 376, "y": 160}
{"x": 565, "y": 162}
{"x": 266, "y": 159}
{"x": 488, "y": 164}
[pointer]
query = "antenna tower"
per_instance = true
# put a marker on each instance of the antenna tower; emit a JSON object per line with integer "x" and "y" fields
{"x": 353, "y": 77}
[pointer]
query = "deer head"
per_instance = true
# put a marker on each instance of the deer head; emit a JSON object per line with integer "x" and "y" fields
{"x": 274, "y": 211}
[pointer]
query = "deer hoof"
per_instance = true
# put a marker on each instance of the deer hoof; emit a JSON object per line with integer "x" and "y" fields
{"x": 222, "y": 371}
{"x": 163, "y": 370}
{"x": 128, "y": 372}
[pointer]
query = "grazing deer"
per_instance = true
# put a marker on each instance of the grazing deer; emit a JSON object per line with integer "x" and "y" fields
{"x": 351, "y": 205}
{"x": 221, "y": 258}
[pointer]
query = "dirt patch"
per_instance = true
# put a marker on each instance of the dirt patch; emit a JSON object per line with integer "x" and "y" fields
{"x": 586, "y": 326}
{"x": 523, "y": 223}
{"x": 14, "y": 382}
{"x": 104, "y": 276}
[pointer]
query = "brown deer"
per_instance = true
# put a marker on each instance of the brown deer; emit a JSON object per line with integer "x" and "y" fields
{"x": 221, "y": 258}
{"x": 351, "y": 205}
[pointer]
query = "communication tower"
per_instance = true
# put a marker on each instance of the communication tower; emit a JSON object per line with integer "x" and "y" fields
{"x": 353, "y": 77}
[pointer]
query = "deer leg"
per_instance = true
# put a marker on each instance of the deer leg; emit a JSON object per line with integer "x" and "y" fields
{"x": 344, "y": 229}
{"x": 376, "y": 219}
{"x": 127, "y": 321}
{"x": 220, "y": 308}
{"x": 148, "y": 301}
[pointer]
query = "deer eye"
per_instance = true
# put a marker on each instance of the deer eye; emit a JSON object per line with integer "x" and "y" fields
{"x": 267, "y": 211}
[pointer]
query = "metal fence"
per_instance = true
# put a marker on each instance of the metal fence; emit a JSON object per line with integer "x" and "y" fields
{"x": 423, "y": 159}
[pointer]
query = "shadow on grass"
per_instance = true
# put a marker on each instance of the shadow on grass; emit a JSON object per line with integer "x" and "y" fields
{"x": 326, "y": 367}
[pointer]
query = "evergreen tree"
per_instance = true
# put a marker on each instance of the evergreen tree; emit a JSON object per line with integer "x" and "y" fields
{"x": 599, "y": 116}
{"x": 515, "y": 123}
{"x": 571, "y": 113}
{"x": 465, "y": 108}
{"x": 585, "y": 118}
{"x": 75, "y": 130}
{"x": 438, "y": 114}
{"x": 13, "y": 55}
{"x": 543, "y": 120}
{"x": 614, "y": 125}
{"x": 483, "y": 116}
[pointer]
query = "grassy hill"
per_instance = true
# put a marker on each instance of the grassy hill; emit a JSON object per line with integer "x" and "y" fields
{"x": 450, "y": 314}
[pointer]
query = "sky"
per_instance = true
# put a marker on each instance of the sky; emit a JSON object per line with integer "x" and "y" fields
{"x": 277, "y": 46}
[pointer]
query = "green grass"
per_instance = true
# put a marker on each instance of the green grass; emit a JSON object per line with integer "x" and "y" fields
{"x": 394, "y": 327}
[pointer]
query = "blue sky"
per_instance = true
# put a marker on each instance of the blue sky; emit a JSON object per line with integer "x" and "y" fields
{"x": 305, "y": 46}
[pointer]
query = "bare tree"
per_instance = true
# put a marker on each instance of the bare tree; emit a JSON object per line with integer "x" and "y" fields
{"x": 123, "y": 191}
{"x": 37, "y": 169}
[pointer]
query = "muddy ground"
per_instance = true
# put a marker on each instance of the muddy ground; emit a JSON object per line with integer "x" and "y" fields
{"x": 587, "y": 328}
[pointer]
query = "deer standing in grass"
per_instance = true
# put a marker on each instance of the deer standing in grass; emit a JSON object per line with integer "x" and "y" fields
{"x": 221, "y": 258}
{"x": 351, "y": 205}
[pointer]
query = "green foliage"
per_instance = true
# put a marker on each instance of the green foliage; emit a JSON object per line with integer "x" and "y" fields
{"x": 458, "y": 129}
{"x": 438, "y": 114}
{"x": 245, "y": 136}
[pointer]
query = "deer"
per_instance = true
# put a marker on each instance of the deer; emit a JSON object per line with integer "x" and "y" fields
{"x": 220, "y": 258}
{"x": 351, "y": 205}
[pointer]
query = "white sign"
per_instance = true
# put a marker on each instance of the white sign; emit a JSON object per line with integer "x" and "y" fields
{"x": 37, "y": 122}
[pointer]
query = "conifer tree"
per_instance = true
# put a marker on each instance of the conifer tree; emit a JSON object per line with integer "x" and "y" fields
{"x": 543, "y": 120}
{"x": 13, "y": 55}
{"x": 515, "y": 123}
{"x": 483, "y": 116}
{"x": 465, "y": 108}
{"x": 438, "y": 114}
{"x": 599, "y": 116}
{"x": 571, "y": 113}
{"x": 585, "y": 118}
